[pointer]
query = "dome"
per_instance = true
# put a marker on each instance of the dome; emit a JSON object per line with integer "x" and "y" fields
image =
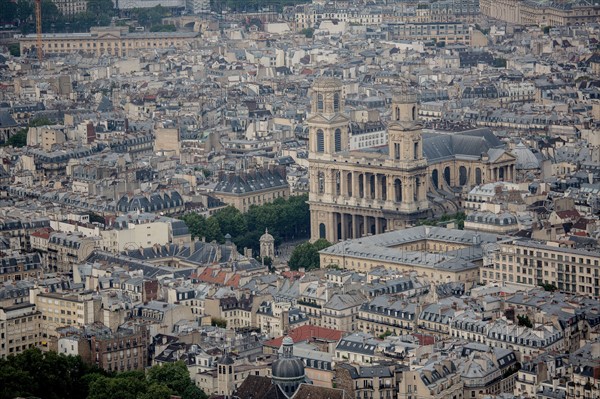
{"x": 287, "y": 367}
{"x": 526, "y": 159}
{"x": 269, "y": 238}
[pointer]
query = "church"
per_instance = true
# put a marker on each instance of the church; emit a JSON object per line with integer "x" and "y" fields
{"x": 378, "y": 189}
{"x": 288, "y": 380}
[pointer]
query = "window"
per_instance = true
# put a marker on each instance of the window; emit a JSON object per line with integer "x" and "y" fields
{"x": 338, "y": 140}
{"x": 320, "y": 141}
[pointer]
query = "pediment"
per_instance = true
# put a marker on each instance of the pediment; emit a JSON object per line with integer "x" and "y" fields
{"x": 108, "y": 36}
{"x": 505, "y": 157}
{"x": 323, "y": 119}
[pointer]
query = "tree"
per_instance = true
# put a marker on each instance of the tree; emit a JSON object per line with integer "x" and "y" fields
{"x": 549, "y": 287}
{"x": 149, "y": 16}
{"x": 193, "y": 392}
{"x": 163, "y": 28}
{"x": 231, "y": 221}
{"x": 8, "y": 11}
{"x": 218, "y": 322}
{"x": 47, "y": 375}
{"x": 308, "y": 32}
{"x": 39, "y": 121}
{"x": 14, "y": 50}
{"x": 24, "y": 10}
{"x": 306, "y": 255}
{"x": 120, "y": 386}
{"x": 523, "y": 320}
{"x": 267, "y": 261}
{"x": 157, "y": 391}
{"x": 173, "y": 375}
{"x": 18, "y": 139}
{"x": 104, "y": 7}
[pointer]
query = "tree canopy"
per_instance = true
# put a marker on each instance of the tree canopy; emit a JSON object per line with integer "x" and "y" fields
{"x": 285, "y": 219}
{"x": 53, "y": 376}
{"x": 306, "y": 255}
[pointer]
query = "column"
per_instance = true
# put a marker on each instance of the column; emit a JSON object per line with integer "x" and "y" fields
{"x": 377, "y": 225}
{"x": 355, "y": 231}
{"x": 331, "y": 228}
{"x": 355, "y": 192}
{"x": 343, "y": 183}
{"x": 378, "y": 191}
{"x": 366, "y": 191}
{"x": 344, "y": 226}
{"x": 366, "y": 225}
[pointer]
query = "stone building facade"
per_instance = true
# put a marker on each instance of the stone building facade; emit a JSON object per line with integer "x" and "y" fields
{"x": 353, "y": 194}
{"x": 373, "y": 190}
{"x": 106, "y": 40}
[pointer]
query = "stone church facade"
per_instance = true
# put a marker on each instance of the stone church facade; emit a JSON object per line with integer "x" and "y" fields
{"x": 374, "y": 190}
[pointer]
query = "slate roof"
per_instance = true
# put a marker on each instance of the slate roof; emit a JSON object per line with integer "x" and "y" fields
{"x": 258, "y": 387}
{"x": 472, "y": 143}
{"x": 251, "y": 182}
{"x": 306, "y": 391}
{"x": 6, "y": 120}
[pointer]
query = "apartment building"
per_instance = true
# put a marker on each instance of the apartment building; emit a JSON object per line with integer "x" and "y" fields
{"x": 531, "y": 263}
{"x": 17, "y": 267}
{"x": 341, "y": 312}
{"x": 551, "y": 13}
{"x": 124, "y": 350}
{"x": 447, "y": 32}
{"x": 65, "y": 250}
{"x": 367, "y": 382}
{"x": 20, "y": 328}
{"x": 67, "y": 309}
{"x": 436, "y": 380}
{"x": 70, "y": 7}
{"x": 387, "y": 314}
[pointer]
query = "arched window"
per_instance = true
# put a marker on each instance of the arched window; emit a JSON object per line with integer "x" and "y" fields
{"x": 398, "y": 190}
{"x": 462, "y": 175}
{"x": 338, "y": 140}
{"x": 320, "y": 141}
{"x": 478, "y": 176}
{"x": 319, "y": 102}
{"x": 384, "y": 188}
{"x": 435, "y": 178}
{"x": 414, "y": 113}
{"x": 416, "y": 150}
{"x": 397, "y": 113}
{"x": 447, "y": 175}
{"x": 396, "y": 150}
{"x": 336, "y": 102}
